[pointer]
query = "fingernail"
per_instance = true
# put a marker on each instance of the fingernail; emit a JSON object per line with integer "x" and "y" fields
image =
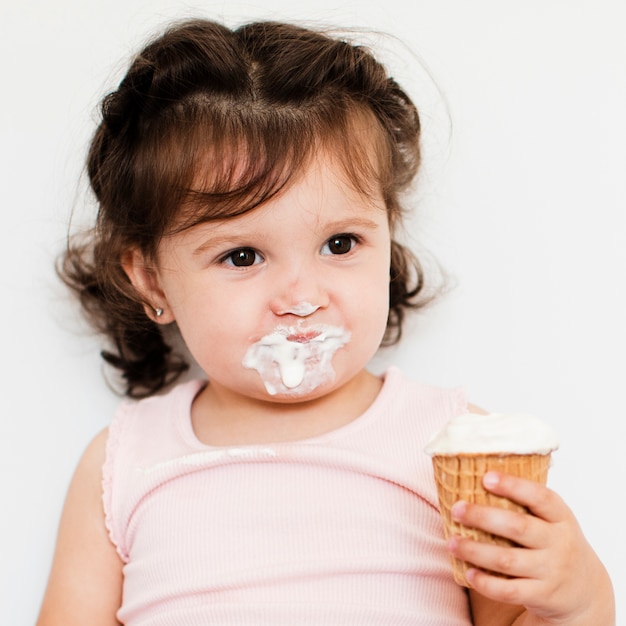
{"x": 490, "y": 479}
{"x": 458, "y": 510}
{"x": 470, "y": 574}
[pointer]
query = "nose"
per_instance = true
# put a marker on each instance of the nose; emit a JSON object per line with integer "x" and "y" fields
{"x": 300, "y": 295}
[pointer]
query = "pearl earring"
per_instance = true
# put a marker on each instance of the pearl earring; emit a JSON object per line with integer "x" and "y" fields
{"x": 158, "y": 311}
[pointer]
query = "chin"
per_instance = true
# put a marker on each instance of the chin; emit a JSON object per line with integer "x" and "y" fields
{"x": 311, "y": 387}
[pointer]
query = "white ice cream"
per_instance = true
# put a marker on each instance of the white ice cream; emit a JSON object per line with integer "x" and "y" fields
{"x": 296, "y": 359}
{"x": 514, "y": 433}
{"x": 303, "y": 309}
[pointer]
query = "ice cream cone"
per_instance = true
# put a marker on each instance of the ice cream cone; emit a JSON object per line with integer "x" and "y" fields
{"x": 470, "y": 445}
{"x": 459, "y": 477}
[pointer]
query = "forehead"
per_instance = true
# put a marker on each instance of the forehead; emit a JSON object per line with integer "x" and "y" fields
{"x": 322, "y": 192}
{"x": 232, "y": 176}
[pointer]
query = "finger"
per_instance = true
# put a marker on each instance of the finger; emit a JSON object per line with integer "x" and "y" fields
{"x": 541, "y": 501}
{"x": 510, "y": 591}
{"x": 504, "y": 560}
{"x": 521, "y": 528}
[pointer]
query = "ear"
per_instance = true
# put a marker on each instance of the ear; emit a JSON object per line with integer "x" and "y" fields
{"x": 145, "y": 280}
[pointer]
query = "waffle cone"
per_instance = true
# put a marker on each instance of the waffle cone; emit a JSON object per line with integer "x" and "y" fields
{"x": 459, "y": 477}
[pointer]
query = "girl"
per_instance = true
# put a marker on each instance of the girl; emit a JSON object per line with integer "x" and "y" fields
{"x": 249, "y": 185}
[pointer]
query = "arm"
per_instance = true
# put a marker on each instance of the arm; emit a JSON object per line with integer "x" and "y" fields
{"x": 555, "y": 576}
{"x": 85, "y": 584}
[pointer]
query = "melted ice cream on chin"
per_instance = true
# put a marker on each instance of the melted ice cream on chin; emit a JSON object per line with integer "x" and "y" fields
{"x": 296, "y": 360}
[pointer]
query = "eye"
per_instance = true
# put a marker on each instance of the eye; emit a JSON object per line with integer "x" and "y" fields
{"x": 339, "y": 244}
{"x": 242, "y": 257}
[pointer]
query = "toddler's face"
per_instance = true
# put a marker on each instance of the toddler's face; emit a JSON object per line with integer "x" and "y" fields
{"x": 289, "y": 301}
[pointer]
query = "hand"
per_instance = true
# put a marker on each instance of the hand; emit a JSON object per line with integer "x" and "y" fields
{"x": 554, "y": 574}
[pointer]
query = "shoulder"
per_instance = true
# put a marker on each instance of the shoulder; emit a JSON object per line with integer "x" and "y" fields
{"x": 175, "y": 399}
{"x": 405, "y": 415}
{"x": 448, "y": 400}
{"x": 163, "y": 418}
{"x": 439, "y": 402}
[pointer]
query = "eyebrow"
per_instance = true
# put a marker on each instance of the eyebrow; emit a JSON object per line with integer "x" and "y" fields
{"x": 350, "y": 223}
{"x": 215, "y": 242}
{"x": 340, "y": 226}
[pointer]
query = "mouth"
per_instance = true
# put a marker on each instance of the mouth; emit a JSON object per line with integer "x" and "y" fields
{"x": 295, "y": 359}
{"x": 318, "y": 334}
{"x": 303, "y": 337}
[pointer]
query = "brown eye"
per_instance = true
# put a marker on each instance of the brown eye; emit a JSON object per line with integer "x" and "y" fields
{"x": 243, "y": 257}
{"x": 339, "y": 244}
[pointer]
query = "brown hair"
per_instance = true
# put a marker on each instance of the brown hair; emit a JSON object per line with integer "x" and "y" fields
{"x": 202, "y": 99}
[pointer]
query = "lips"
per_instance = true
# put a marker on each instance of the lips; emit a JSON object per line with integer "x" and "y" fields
{"x": 303, "y": 337}
{"x": 300, "y": 334}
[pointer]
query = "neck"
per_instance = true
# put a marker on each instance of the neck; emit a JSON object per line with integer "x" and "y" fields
{"x": 221, "y": 417}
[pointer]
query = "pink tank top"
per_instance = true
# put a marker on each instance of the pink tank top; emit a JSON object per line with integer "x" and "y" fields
{"x": 340, "y": 530}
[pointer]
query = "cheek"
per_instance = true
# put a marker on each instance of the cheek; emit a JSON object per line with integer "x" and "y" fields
{"x": 216, "y": 346}
{"x": 380, "y": 305}
{"x": 209, "y": 325}
{"x": 374, "y": 287}
{"x": 369, "y": 302}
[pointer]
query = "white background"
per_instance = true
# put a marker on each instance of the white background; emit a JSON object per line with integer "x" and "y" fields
{"x": 522, "y": 200}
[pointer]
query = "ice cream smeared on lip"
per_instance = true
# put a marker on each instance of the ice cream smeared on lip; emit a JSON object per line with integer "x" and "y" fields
{"x": 296, "y": 359}
{"x": 495, "y": 433}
